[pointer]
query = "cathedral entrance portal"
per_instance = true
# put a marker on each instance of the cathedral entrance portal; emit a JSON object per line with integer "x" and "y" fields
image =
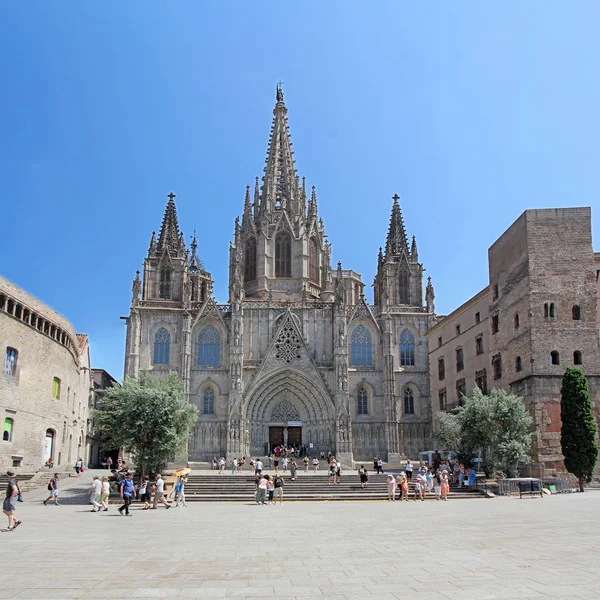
{"x": 275, "y": 436}
{"x": 294, "y": 436}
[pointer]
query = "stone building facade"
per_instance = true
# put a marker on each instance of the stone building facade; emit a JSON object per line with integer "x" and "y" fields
{"x": 44, "y": 385}
{"x": 297, "y": 355}
{"x": 541, "y": 307}
{"x": 96, "y": 453}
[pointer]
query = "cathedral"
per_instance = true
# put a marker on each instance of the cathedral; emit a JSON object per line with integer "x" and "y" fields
{"x": 297, "y": 355}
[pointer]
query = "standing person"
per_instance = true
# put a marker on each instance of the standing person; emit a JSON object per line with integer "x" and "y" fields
{"x": 429, "y": 478}
{"x": 391, "y": 488}
{"x": 78, "y": 466}
{"x": 145, "y": 493}
{"x": 241, "y": 463}
{"x": 222, "y": 466}
{"x": 285, "y": 463}
{"x": 418, "y": 487}
{"x": 472, "y": 479}
{"x": 159, "y": 492}
{"x": 95, "y": 493}
{"x": 461, "y": 475}
{"x": 278, "y": 483}
{"x": 180, "y": 491}
{"x": 259, "y": 466}
{"x": 271, "y": 459}
{"x": 306, "y": 461}
{"x": 234, "y": 466}
{"x": 261, "y": 489}
{"x": 215, "y": 463}
{"x": 380, "y": 465}
{"x": 408, "y": 469}
{"x": 437, "y": 484}
{"x": 293, "y": 469}
{"x": 104, "y": 493}
{"x": 338, "y": 471}
{"x": 10, "y": 501}
{"x": 445, "y": 485}
{"x": 252, "y": 466}
{"x": 422, "y": 483}
{"x": 53, "y": 489}
{"x": 109, "y": 463}
{"x": 275, "y": 461}
{"x": 436, "y": 459}
{"x": 270, "y": 488}
{"x": 331, "y": 473}
{"x": 127, "y": 493}
{"x": 315, "y": 464}
{"x": 403, "y": 487}
{"x": 363, "y": 476}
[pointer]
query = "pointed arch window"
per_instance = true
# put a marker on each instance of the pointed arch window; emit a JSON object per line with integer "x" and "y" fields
{"x": 362, "y": 401}
{"x": 409, "y": 402}
{"x": 283, "y": 255}
{"x": 165, "y": 283}
{"x": 209, "y": 347}
{"x": 361, "y": 348}
{"x": 162, "y": 344}
{"x": 208, "y": 401}
{"x": 250, "y": 260}
{"x": 403, "y": 295}
{"x": 407, "y": 348}
{"x": 313, "y": 261}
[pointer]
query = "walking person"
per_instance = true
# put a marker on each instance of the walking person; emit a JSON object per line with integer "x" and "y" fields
{"x": 315, "y": 462}
{"x": 421, "y": 486}
{"x": 95, "y": 493}
{"x": 437, "y": 484}
{"x": 145, "y": 493}
{"x": 445, "y": 485}
{"x": 270, "y": 488}
{"x": 10, "y": 501}
{"x": 259, "y": 466}
{"x": 380, "y": 465}
{"x": 293, "y": 469}
{"x": 363, "y": 476}
{"x": 79, "y": 466}
{"x": 180, "y": 491}
{"x": 222, "y": 466}
{"x": 159, "y": 492}
{"x": 109, "y": 463}
{"x": 285, "y": 463}
{"x": 403, "y": 487}
{"x": 391, "y": 488}
{"x": 104, "y": 493}
{"x": 53, "y": 489}
{"x": 306, "y": 461}
{"x": 408, "y": 468}
{"x": 127, "y": 493}
{"x": 279, "y": 483}
{"x": 331, "y": 473}
{"x": 338, "y": 471}
{"x": 275, "y": 463}
{"x": 261, "y": 489}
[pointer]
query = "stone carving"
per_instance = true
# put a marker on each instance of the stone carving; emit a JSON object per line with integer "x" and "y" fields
{"x": 285, "y": 411}
{"x": 236, "y": 334}
{"x": 288, "y": 344}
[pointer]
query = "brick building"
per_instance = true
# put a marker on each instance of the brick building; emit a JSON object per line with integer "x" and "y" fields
{"x": 541, "y": 311}
{"x": 44, "y": 385}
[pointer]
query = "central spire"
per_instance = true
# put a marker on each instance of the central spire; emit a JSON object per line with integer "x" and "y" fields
{"x": 396, "y": 238}
{"x": 280, "y": 182}
{"x": 169, "y": 231}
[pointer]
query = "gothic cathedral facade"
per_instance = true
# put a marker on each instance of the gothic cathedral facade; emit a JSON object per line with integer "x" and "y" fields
{"x": 297, "y": 355}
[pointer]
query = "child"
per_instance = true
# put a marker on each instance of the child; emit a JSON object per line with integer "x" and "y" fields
{"x": 270, "y": 488}
{"x": 418, "y": 488}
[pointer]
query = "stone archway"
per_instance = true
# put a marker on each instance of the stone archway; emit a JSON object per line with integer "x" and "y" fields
{"x": 289, "y": 398}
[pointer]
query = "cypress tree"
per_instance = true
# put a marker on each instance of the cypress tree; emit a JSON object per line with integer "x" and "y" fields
{"x": 578, "y": 431}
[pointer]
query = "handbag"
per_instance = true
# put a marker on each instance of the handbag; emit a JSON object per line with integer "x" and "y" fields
{"x": 19, "y": 495}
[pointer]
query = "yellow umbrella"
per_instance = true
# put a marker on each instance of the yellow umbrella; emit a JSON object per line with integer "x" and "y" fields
{"x": 181, "y": 472}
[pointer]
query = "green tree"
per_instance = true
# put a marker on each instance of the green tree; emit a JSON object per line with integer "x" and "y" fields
{"x": 578, "y": 431}
{"x": 148, "y": 416}
{"x": 496, "y": 426}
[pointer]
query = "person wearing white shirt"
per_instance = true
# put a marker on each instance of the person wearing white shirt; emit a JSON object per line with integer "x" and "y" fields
{"x": 159, "y": 492}
{"x": 95, "y": 494}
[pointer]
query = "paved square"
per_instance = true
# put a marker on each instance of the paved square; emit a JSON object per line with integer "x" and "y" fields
{"x": 471, "y": 549}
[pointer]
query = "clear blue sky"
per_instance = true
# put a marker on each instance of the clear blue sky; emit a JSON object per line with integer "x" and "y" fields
{"x": 470, "y": 111}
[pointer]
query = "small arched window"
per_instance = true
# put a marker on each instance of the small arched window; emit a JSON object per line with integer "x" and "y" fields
{"x": 162, "y": 343}
{"x": 403, "y": 292}
{"x": 250, "y": 260}
{"x": 554, "y": 358}
{"x": 208, "y": 401}
{"x": 10, "y": 361}
{"x": 283, "y": 255}
{"x": 165, "y": 284}
{"x": 576, "y": 312}
{"x": 552, "y": 311}
{"x": 360, "y": 347}
{"x": 409, "y": 402}
{"x": 517, "y": 322}
{"x": 518, "y": 364}
{"x": 546, "y": 310}
{"x": 7, "y": 433}
{"x": 209, "y": 347}
{"x": 313, "y": 261}
{"x": 577, "y": 357}
{"x": 407, "y": 348}
{"x": 362, "y": 399}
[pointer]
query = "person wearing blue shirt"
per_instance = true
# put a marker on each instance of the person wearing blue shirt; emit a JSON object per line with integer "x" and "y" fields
{"x": 127, "y": 493}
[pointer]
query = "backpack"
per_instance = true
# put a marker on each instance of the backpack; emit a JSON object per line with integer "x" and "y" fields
{"x": 50, "y": 488}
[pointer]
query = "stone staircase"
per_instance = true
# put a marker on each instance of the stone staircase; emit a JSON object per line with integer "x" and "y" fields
{"x": 29, "y": 482}
{"x": 308, "y": 486}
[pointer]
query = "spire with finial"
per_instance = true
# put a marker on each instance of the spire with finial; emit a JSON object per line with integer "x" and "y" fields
{"x": 196, "y": 263}
{"x": 396, "y": 238}
{"x": 303, "y": 196}
{"x": 256, "y": 203}
{"x": 414, "y": 255}
{"x": 312, "y": 205}
{"x": 169, "y": 231}
{"x": 380, "y": 256}
{"x": 247, "y": 217}
{"x": 152, "y": 242}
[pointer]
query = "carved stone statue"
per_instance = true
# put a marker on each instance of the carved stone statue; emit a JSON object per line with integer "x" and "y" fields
{"x": 236, "y": 334}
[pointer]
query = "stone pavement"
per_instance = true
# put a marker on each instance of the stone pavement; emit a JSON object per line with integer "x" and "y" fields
{"x": 502, "y": 548}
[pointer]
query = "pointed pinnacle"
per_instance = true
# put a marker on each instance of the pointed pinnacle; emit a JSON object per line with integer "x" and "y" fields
{"x": 396, "y": 238}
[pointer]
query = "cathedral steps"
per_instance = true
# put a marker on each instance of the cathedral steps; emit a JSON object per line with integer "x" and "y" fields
{"x": 308, "y": 486}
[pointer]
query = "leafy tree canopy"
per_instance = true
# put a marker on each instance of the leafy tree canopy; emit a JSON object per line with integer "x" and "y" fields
{"x": 150, "y": 417}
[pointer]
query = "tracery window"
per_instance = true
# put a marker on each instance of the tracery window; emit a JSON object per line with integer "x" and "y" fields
{"x": 209, "y": 347}
{"x": 403, "y": 294}
{"x": 165, "y": 284}
{"x": 409, "y": 402}
{"x": 313, "y": 261}
{"x": 283, "y": 255}
{"x": 250, "y": 260}
{"x": 360, "y": 347}
{"x": 162, "y": 343}
{"x": 407, "y": 348}
{"x": 208, "y": 399}
{"x": 285, "y": 411}
{"x": 362, "y": 399}
{"x": 10, "y": 361}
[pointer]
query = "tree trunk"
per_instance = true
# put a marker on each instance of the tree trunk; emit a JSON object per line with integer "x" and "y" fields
{"x": 581, "y": 484}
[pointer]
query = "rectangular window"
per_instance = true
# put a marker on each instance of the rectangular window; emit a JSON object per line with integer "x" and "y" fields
{"x": 497, "y": 366}
{"x": 363, "y": 408}
{"x": 56, "y": 388}
{"x": 440, "y": 342}
{"x": 441, "y": 369}
{"x": 443, "y": 399}
{"x": 458, "y": 329}
{"x": 495, "y": 324}
{"x": 495, "y": 292}
{"x": 479, "y": 345}
{"x": 461, "y": 391}
{"x": 477, "y": 318}
{"x": 481, "y": 380}
{"x": 460, "y": 364}
{"x": 517, "y": 322}
{"x": 10, "y": 361}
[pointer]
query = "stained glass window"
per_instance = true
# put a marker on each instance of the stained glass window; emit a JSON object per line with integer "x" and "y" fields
{"x": 250, "y": 260}
{"x": 283, "y": 255}
{"x": 162, "y": 342}
{"x": 360, "y": 347}
{"x": 407, "y": 348}
{"x": 362, "y": 401}
{"x": 209, "y": 347}
{"x": 409, "y": 402}
{"x": 209, "y": 401}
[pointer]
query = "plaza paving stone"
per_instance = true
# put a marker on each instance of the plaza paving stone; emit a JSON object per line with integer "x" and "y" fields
{"x": 504, "y": 548}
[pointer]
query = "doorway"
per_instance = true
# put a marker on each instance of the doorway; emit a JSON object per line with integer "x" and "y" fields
{"x": 275, "y": 437}
{"x": 294, "y": 436}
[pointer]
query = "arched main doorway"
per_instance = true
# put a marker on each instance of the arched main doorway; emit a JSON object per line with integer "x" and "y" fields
{"x": 49, "y": 445}
{"x": 289, "y": 408}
